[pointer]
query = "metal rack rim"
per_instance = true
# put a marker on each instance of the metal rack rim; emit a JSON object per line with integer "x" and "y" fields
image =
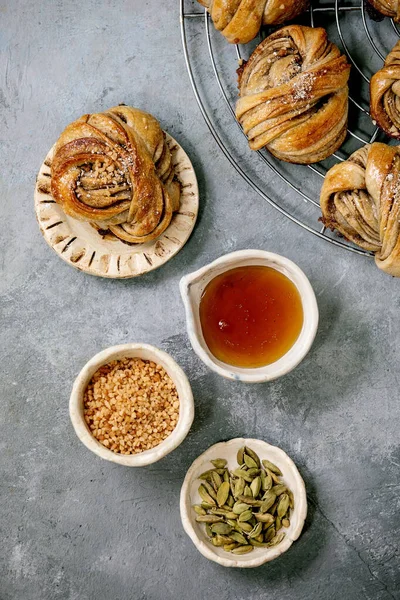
{"x": 223, "y": 147}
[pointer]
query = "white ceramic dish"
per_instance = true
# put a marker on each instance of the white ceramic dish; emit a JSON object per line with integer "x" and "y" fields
{"x": 190, "y": 496}
{"x": 83, "y": 247}
{"x": 146, "y": 352}
{"x": 193, "y": 285}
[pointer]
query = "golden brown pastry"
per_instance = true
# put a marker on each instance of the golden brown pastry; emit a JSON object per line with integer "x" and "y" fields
{"x": 240, "y": 20}
{"x": 294, "y": 95}
{"x": 385, "y": 94}
{"x": 361, "y": 199}
{"x": 114, "y": 169}
{"x": 389, "y": 8}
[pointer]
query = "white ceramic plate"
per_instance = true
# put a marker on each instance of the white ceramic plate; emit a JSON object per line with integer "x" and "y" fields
{"x": 189, "y": 496}
{"x": 83, "y": 247}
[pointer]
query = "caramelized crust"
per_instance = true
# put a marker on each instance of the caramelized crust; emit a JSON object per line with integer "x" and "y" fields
{"x": 114, "y": 168}
{"x": 240, "y": 20}
{"x": 385, "y": 94}
{"x": 360, "y": 198}
{"x": 389, "y": 8}
{"x": 294, "y": 95}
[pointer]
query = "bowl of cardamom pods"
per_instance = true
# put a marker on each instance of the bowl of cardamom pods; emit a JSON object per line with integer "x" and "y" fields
{"x": 243, "y": 503}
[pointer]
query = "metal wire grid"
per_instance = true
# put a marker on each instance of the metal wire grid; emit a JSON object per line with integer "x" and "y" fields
{"x": 338, "y": 10}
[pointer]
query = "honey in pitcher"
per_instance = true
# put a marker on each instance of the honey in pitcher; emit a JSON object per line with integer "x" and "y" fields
{"x": 250, "y": 316}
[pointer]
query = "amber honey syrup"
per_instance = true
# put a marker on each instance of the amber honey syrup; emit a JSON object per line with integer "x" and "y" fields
{"x": 250, "y": 316}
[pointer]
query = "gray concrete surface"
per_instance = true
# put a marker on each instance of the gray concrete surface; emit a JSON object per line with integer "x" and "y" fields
{"x": 75, "y": 527}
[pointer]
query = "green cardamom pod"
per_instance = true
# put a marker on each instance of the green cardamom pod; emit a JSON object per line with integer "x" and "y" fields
{"x": 240, "y": 456}
{"x": 245, "y": 516}
{"x": 253, "y": 455}
{"x": 223, "y": 493}
{"x": 219, "y": 463}
{"x": 242, "y": 549}
{"x": 269, "y": 465}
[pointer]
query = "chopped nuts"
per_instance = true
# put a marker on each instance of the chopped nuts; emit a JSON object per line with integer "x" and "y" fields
{"x": 131, "y": 405}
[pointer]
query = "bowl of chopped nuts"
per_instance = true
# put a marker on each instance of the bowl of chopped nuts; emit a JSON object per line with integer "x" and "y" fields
{"x": 131, "y": 404}
{"x": 243, "y": 503}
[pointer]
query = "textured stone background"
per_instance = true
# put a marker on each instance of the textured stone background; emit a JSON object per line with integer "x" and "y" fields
{"x": 78, "y": 528}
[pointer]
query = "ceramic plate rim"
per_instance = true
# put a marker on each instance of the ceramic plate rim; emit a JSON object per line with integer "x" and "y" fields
{"x": 174, "y": 243}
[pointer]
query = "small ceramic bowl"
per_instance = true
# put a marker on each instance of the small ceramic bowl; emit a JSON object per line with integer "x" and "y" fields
{"x": 189, "y": 496}
{"x": 145, "y": 352}
{"x": 193, "y": 285}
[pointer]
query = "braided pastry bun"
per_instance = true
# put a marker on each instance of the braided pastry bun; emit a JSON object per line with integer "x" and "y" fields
{"x": 114, "y": 169}
{"x": 240, "y": 20}
{"x": 361, "y": 199}
{"x": 385, "y": 94}
{"x": 294, "y": 95}
{"x": 389, "y": 8}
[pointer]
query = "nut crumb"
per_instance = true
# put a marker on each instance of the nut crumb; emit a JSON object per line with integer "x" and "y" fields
{"x": 131, "y": 405}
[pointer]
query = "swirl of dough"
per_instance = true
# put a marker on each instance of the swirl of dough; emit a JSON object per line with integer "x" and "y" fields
{"x": 115, "y": 169}
{"x": 360, "y": 198}
{"x": 389, "y": 8}
{"x": 294, "y": 95}
{"x": 385, "y": 94}
{"x": 240, "y": 20}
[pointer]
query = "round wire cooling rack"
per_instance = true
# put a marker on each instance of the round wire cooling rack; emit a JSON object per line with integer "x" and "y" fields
{"x": 211, "y": 64}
